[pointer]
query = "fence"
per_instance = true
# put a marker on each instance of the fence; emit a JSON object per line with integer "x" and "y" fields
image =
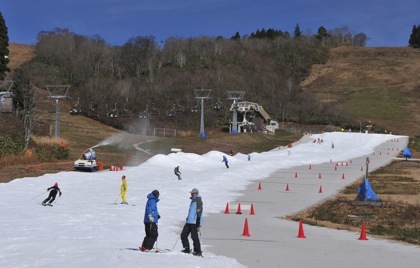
{"x": 164, "y": 132}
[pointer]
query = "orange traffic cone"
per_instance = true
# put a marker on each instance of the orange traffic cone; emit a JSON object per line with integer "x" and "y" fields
{"x": 320, "y": 189}
{"x": 227, "y": 209}
{"x": 259, "y": 186}
{"x": 246, "y": 231}
{"x": 252, "y": 212}
{"x": 301, "y": 233}
{"x": 319, "y": 176}
{"x": 239, "y": 209}
{"x": 342, "y": 177}
{"x": 287, "y": 187}
{"x": 363, "y": 232}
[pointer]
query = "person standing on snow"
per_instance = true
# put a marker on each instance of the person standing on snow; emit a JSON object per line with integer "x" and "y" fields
{"x": 249, "y": 157}
{"x": 124, "y": 188}
{"x": 177, "y": 172}
{"x": 151, "y": 217}
{"x": 53, "y": 193}
{"x": 193, "y": 224}
{"x": 226, "y": 161}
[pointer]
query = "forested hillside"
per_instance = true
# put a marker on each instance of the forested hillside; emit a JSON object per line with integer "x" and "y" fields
{"x": 143, "y": 75}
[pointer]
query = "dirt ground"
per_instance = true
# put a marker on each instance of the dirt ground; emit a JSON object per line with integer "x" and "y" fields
{"x": 398, "y": 217}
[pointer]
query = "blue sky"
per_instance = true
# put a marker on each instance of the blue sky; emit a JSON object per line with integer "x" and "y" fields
{"x": 385, "y": 22}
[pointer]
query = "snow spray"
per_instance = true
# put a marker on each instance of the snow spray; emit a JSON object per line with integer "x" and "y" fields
{"x": 115, "y": 139}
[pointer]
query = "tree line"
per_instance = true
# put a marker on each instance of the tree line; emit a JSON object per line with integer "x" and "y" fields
{"x": 143, "y": 74}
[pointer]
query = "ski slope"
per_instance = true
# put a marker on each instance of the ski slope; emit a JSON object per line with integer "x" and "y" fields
{"x": 84, "y": 228}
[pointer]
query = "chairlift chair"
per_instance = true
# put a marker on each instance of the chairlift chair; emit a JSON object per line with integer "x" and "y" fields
{"x": 76, "y": 108}
{"x": 172, "y": 112}
{"x": 195, "y": 108}
{"x": 93, "y": 112}
{"x": 114, "y": 112}
{"x": 145, "y": 113}
{"x": 154, "y": 110}
{"x": 179, "y": 108}
{"x": 6, "y": 103}
{"x": 218, "y": 105}
{"x": 126, "y": 112}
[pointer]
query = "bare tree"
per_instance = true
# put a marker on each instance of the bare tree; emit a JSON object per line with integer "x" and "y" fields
{"x": 26, "y": 101}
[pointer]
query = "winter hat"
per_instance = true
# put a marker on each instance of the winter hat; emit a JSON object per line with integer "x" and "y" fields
{"x": 156, "y": 193}
{"x": 123, "y": 177}
{"x": 56, "y": 184}
{"x": 194, "y": 191}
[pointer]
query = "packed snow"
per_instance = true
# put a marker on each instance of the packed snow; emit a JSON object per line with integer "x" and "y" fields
{"x": 85, "y": 228}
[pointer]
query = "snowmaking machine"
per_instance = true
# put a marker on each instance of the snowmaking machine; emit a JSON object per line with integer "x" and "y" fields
{"x": 87, "y": 161}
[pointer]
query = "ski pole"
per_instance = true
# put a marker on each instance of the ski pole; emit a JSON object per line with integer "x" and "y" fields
{"x": 39, "y": 195}
{"x": 175, "y": 243}
{"x": 117, "y": 198}
{"x": 55, "y": 201}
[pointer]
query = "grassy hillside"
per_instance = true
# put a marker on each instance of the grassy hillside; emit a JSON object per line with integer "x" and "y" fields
{"x": 381, "y": 85}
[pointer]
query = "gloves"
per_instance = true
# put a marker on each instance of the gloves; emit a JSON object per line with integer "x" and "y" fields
{"x": 151, "y": 219}
{"x": 198, "y": 229}
{"x": 158, "y": 216}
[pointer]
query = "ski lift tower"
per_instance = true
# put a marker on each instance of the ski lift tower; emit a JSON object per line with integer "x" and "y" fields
{"x": 57, "y": 92}
{"x": 6, "y": 95}
{"x": 235, "y": 96}
{"x": 201, "y": 95}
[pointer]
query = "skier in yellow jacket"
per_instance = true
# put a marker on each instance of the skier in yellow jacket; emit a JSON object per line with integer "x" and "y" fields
{"x": 124, "y": 188}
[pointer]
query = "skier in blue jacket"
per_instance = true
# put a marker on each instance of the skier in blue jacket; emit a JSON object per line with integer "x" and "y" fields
{"x": 193, "y": 224}
{"x": 151, "y": 217}
{"x": 226, "y": 161}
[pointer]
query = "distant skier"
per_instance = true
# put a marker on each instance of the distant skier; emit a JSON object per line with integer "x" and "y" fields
{"x": 124, "y": 188}
{"x": 177, "y": 172}
{"x": 249, "y": 157}
{"x": 332, "y": 145}
{"x": 51, "y": 197}
{"x": 226, "y": 161}
{"x": 151, "y": 217}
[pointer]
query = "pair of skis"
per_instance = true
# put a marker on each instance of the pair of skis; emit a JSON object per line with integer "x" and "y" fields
{"x": 158, "y": 250}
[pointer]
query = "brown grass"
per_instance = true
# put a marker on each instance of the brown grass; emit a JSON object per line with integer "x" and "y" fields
{"x": 398, "y": 187}
{"x": 377, "y": 84}
{"x": 47, "y": 140}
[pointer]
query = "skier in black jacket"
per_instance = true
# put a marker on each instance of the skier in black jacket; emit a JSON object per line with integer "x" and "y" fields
{"x": 53, "y": 193}
{"x": 177, "y": 172}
